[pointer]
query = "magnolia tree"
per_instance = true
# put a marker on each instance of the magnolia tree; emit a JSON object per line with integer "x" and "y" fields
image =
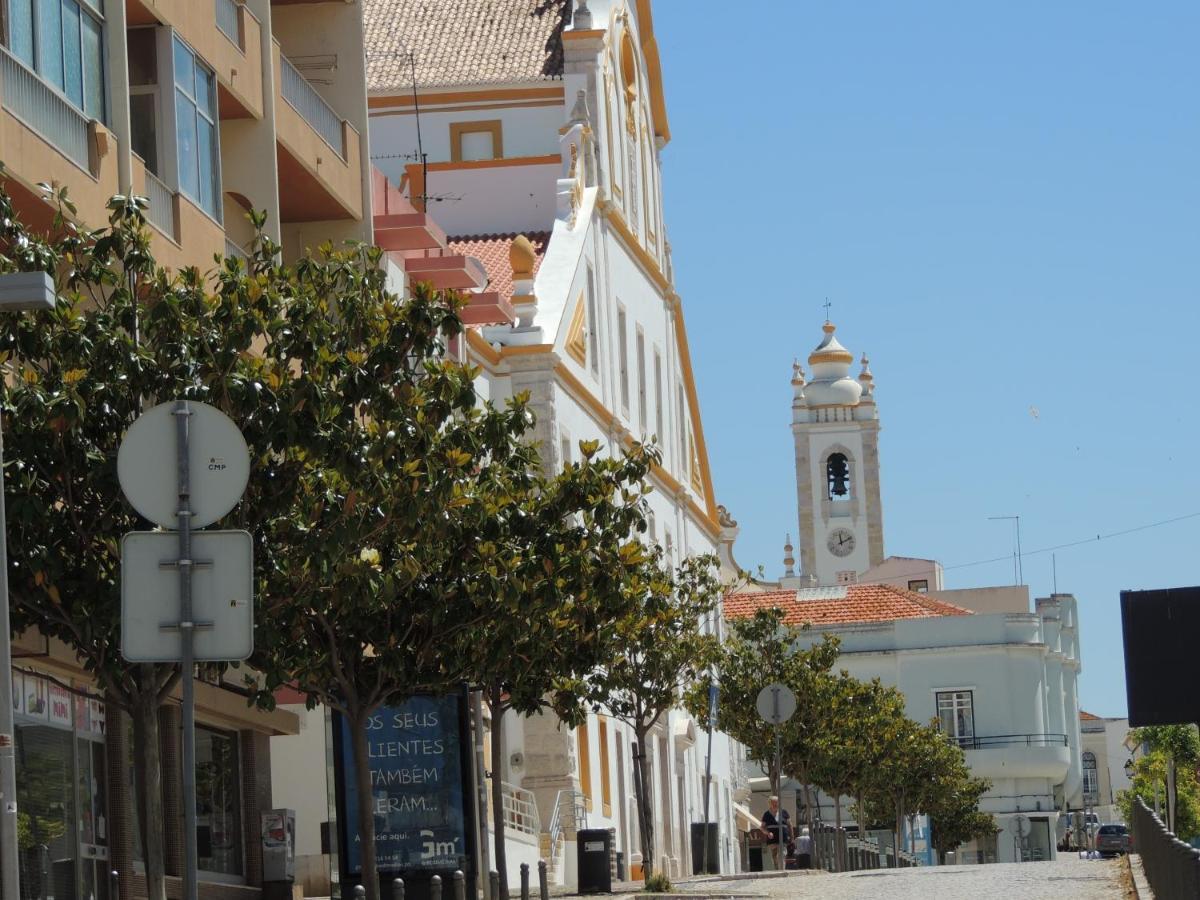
{"x": 661, "y": 648}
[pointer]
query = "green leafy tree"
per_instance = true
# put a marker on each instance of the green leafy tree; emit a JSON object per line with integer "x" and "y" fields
{"x": 563, "y": 546}
{"x": 661, "y": 648}
{"x": 1150, "y": 784}
{"x": 954, "y": 814}
{"x": 123, "y": 335}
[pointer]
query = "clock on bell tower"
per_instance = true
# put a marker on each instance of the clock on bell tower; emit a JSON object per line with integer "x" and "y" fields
{"x": 835, "y": 425}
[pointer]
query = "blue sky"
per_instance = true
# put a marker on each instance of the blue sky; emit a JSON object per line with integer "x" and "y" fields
{"x": 1002, "y": 203}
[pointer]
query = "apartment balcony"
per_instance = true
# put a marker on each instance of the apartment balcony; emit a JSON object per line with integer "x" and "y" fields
{"x": 46, "y": 138}
{"x": 226, "y": 35}
{"x": 318, "y": 152}
{"x": 181, "y": 233}
{"x": 1018, "y": 756}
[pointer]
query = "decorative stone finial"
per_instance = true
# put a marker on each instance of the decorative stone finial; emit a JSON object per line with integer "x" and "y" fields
{"x": 522, "y": 257}
{"x": 865, "y": 378}
{"x": 797, "y": 374}
{"x": 579, "y": 112}
{"x": 583, "y": 17}
{"x": 725, "y": 519}
{"x": 789, "y": 561}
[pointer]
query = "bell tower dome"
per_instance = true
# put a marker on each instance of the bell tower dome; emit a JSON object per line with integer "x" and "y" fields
{"x": 835, "y": 424}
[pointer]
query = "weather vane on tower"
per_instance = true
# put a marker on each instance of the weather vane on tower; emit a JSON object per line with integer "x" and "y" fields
{"x": 827, "y": 305}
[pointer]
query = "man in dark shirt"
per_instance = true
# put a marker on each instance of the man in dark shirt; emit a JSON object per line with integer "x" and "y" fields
{"x": 777, "y": 824}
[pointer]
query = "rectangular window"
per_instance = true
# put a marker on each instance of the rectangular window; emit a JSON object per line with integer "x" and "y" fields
{"x": 605, "y": 778}
{"x": 472, "y": 141}
{"x": 956, "y": 716}
{"x": 641, "y": 376}
{"x": 60, "y": 40}
{"x": 564, "y": 446}
{"x": 652, "y": 526}
{"x": 920, "y": 586}
{"x": 658, "y": 398}
{"x": 593, "y": 323}
{"x": 681, "y": 417}
{"x": 623, "y": 359}
{"x": 585, "y": 764}
{"x": 197, "y": 150}
{"x": 218, "y": 802}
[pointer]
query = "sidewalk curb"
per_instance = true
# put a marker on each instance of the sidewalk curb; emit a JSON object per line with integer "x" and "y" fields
{"x": 1141, "y": 886}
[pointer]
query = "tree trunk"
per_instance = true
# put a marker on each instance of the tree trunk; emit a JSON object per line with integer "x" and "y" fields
{"x": 645, "y": 813}
{"x": 839, "y": 843}
{"x": 496, "y": 707}
{"x": 366, "y": 811}
{"x": 148, "y": 771}
{"x": 808, "y": 821}
{"x": 899, "y": 832}
{"x": 912, "y": 834}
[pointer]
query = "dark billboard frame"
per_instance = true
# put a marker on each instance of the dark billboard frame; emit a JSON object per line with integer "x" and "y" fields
{"x": 416, "y": 880}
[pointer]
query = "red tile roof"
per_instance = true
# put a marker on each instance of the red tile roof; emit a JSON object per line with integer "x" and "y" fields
{"x": 492, "y": 251}
{"x": 842, "y": 605}
{"x": 463, "y": 42}
{"x": 1086, "y": 716}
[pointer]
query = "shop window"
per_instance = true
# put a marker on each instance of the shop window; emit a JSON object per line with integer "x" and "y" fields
{"x": 473, "y": 141}
{"x": 218, "y": 802}
{"x": 61, "y": 41}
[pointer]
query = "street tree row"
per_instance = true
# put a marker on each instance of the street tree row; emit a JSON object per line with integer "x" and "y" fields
{"x": 407, "y": 539}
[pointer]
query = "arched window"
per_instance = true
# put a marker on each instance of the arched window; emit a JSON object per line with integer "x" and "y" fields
{"x": 1091, "y": 777}
{"x": 837, "y": 472}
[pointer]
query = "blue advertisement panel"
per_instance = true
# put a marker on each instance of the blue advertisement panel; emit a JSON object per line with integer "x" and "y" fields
{"x": 417, "y": 752}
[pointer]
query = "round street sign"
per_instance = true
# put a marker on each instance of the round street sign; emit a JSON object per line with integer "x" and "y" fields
{"x": 219, "y": 464}
{"x": 776, "y": 703}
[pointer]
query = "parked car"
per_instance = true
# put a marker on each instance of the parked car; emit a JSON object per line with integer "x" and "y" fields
{"x": 1113, "y": 839}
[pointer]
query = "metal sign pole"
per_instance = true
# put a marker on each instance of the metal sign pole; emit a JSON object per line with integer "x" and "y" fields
{"x": 10, "y": 870}
{"x": 712, "y": 717}
{"x": 187, "y": 634}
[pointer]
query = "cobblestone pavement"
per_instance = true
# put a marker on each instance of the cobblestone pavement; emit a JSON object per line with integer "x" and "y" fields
{"x": 1062, "y": 879}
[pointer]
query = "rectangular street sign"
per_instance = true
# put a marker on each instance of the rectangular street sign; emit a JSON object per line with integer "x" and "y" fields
{"x": 222, "y": 596}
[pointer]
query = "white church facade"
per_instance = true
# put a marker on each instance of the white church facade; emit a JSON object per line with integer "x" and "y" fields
{"x": 999, "y": 676}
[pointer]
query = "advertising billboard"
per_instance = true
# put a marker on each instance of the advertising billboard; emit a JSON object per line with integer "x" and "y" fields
{"x": 418, "y": 760}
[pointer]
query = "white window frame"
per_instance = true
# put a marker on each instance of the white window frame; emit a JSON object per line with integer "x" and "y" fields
{"x": 593, "y": 323}
{"x": 954, "y": 707}
{"x": 641, "y": 380}
{"x": 623, "y": 357}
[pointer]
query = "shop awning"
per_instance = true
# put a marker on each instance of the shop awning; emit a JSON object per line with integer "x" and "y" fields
{"x": 745, "y": 819}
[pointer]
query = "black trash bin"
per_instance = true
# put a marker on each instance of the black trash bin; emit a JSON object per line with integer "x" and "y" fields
{"x": 595, "y": 871}
{"x": 714, "y": 865}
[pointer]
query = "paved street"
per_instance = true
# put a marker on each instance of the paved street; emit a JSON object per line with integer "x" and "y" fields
{"x": 1063, "y": 879}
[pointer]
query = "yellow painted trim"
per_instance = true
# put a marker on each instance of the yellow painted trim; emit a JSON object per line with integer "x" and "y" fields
{"x": 529, "y": 350}
{"x": 630, "y": 242}
{"x": 468, "y": 107}
{"x": 494, "y": 127}
{"x": 482, "y": 347}
{"x": 576, "y": 344}
{"x": 583, "y": 35}
{"x": 377, "y": 101}
{"x": 658, "y": 103}
{"x": 689, "y": 381}
{"x": 602, "y": 414}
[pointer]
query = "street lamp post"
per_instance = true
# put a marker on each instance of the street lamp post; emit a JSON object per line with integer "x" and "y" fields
{"x": 18, "y": 291}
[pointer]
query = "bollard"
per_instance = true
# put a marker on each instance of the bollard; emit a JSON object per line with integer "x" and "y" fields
{"x": 524, "y": 881}
{"x": 435, "y": 887}
{"x": 460, "y": 885}
{"x": 397, "y": 889}
{"x": 543, "y": 880}
{"x": 494, "y": 883}
{"x": 360, "y": 892}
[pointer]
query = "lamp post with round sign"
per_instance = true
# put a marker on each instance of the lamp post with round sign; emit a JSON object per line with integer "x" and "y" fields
{"x": 19, "y": 291}
{"x": 776, "y": 704}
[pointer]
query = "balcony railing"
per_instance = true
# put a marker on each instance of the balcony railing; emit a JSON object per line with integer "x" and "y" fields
{"x": 303, "y": 98}
{"x": 520, "y": 810}
{"x": 161, "y": 212}
{"x": 227, "y": 21}
{"x": 43, "y": 109}
{"x": 1009, "y": 740}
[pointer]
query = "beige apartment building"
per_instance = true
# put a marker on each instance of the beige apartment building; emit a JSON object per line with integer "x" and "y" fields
{"x": 208, "y": 108}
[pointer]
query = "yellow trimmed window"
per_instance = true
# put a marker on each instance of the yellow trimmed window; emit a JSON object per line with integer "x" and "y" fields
{"x": 605, "y": 782}
{"x": 585, "y": 764}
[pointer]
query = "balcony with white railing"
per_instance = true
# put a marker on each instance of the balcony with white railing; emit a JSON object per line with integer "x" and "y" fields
{"x": 45, "y": 110}
{"x": 319, "y": 152}
{"x": 161, "y": 211}
{"x": 520, "y": 810}
{"x": 303, "y": 98}
{"x": 228, "y": 21}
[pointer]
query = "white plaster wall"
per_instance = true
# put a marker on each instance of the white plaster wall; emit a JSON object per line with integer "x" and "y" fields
{"x": 851, "y": 514}
{"x": 531, "y": 131}
{"x": 493, "y": 201}
{"x": 298, "y": 777}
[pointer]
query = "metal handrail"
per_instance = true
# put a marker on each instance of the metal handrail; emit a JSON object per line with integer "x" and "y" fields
{"x": 520, "y": 809}
{"x": 227, "y": 21}
{"x": 161, "y": 211}
{"x": 570, "y": 804}
{"x": 36, "y": 103}
{"x": 1009, "y": 740}
{"x": 311, "y": 106}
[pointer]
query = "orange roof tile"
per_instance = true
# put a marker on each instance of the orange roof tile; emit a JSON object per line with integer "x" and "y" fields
{"x": 842, "y": 605}
{"x": 463, "y": 42}
{"x": 492, "y": 251}
{"x": 1086, "y": 716}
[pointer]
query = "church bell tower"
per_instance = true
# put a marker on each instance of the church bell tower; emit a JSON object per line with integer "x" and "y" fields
{"x": 836, "y": 428}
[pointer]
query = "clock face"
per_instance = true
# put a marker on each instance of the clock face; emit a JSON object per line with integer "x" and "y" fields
{"x": 841, "y": 542}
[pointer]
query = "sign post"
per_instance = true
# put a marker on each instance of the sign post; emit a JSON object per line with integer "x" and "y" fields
{"x": 210, "y": 454}
{"x": 776, "y": 704}
{"x": 712, "y": 721}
